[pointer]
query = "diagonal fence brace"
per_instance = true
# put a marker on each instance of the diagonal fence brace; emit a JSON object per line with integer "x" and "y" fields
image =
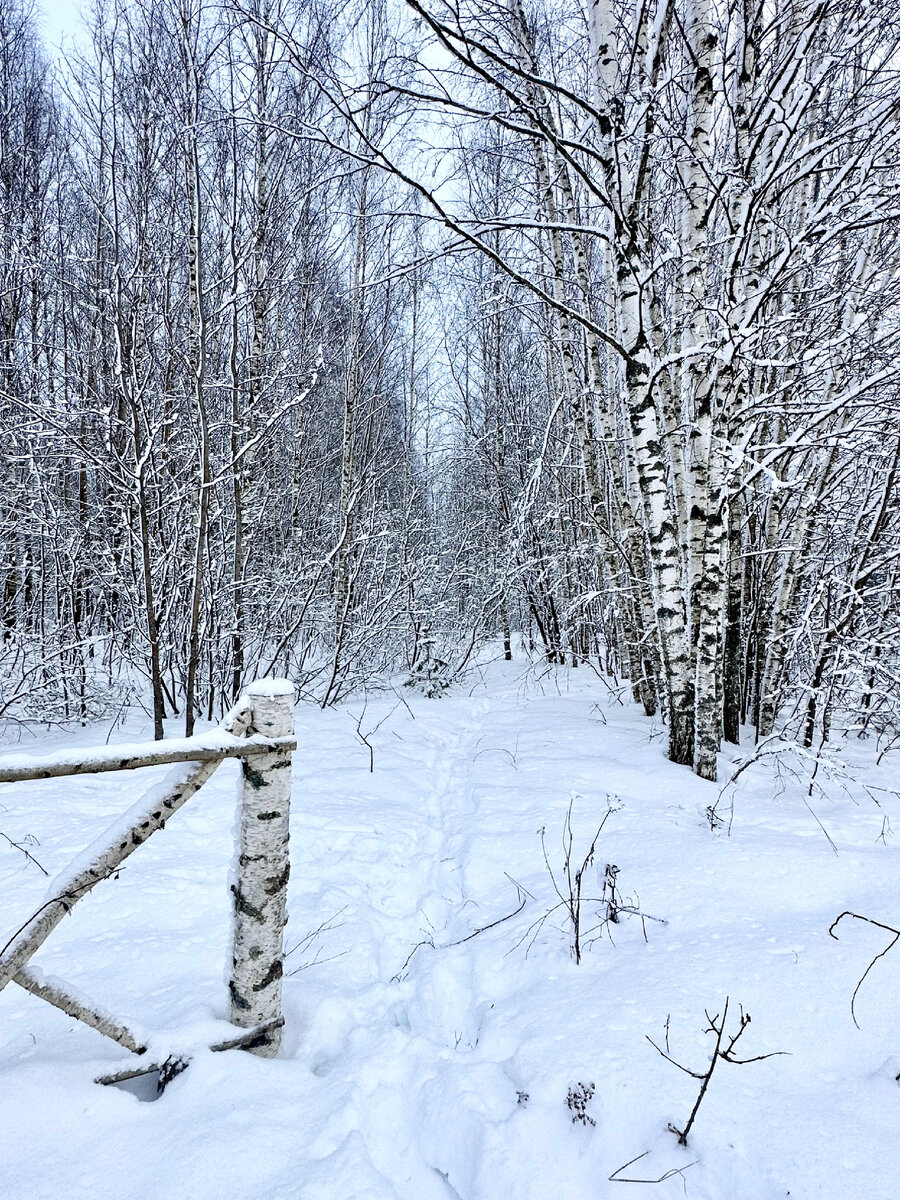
{"x": 107, "y": 855}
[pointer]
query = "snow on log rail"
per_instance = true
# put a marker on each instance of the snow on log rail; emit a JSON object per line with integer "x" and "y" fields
{"x": 259, "y": 730}
{"x": 205, "y": 747}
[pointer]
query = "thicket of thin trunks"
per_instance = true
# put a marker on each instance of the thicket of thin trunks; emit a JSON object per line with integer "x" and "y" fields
{"x": 336, "y": 341}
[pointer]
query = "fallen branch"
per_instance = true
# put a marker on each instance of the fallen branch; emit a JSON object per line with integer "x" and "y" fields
{"x": 105, "y": 857}
{"x": 150, "y": 814}
{"x": 205, "y": 747}
{"x": 886, "y": 950}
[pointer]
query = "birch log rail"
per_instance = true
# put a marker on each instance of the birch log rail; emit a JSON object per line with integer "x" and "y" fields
{"x": 200, "y": 748}
{"x": 259, "y": 730}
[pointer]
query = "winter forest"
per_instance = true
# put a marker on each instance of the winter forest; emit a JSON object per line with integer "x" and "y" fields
{"x": 334, "y": 338}
{"x": 406, "y": 348}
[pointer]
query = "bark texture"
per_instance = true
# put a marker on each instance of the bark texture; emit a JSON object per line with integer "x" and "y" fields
{"x": 260, "y": 889}
{"x": 56, "y": 993}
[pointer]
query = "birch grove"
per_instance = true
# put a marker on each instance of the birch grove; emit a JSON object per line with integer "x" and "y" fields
{"x": 336, "y": 337}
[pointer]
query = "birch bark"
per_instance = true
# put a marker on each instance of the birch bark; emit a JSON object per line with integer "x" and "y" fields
{"x": 635, "y": 319}
{"x": 260, "y": 887}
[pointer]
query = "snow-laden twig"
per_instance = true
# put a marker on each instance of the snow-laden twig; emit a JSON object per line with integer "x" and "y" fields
{"x": 807, "y": 766}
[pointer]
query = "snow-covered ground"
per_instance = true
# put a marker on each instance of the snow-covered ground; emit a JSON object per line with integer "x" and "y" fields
{"x": 443, "y": 1072}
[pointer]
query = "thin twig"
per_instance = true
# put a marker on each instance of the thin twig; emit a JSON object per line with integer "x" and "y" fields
{"x": 18, "y": 846}
{"x": 616, "y": 1175}
{"x": 418, "y": 946}
{"x": 669, "y": 1058}
{"x": 523, "y": 900}
{"x": 326, "y": 927}
{"x": 484, "y": 928}
{"x": 717, "y": 1026}
{"x": 720, "y": 1032}
{"x": 886, "y": 950}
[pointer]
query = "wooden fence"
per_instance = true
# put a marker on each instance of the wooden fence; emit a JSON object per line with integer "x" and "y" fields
{"x": 259, "y": 731}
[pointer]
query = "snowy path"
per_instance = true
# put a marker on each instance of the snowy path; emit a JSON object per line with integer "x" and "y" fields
{"x": 441, "y": 1073}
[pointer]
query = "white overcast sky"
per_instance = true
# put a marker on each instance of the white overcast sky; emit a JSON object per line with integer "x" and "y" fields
{"x": 59, "y": 20}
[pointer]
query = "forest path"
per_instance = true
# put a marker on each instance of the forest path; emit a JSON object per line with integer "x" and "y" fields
{"x": 421, "y": 1062}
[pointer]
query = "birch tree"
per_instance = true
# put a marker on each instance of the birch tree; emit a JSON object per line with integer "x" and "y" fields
{"x": 694, "y": 161}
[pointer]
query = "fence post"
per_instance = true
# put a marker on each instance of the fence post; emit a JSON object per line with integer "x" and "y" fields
{"x": 259, "y": 890}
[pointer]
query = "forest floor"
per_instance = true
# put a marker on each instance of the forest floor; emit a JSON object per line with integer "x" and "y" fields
{"x": 458, "y": 1070}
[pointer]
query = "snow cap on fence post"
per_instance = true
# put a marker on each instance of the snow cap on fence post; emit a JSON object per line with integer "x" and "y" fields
{"x": 259, "y": 891}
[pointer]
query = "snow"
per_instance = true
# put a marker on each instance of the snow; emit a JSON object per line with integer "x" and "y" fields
{"x": 270, "y": 687}
{"x": 118, "y": 830}
{"x": 442, "y": 1073}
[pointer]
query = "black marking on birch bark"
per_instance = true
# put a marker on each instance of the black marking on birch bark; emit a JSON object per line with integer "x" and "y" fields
{"x": 634, "y": 373}
{"x": 237, "y": 999}
{"x": 261, "y": 1039}
{"x": 282, "y": 762}
{"x": 274, "y": 973}
{"x": 255, "y": 778}
{"x": 254, "y": 952}
{"x": 275, "y": 883}
{"x": 243, "y": 905}
{"x": 267, "y": 816}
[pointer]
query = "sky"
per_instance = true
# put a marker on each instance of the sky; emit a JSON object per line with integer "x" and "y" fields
{"x": 59, "y": 20}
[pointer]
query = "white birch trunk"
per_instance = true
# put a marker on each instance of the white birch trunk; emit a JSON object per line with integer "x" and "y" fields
{"x": 260, "y": 888}
{"x": 638, "y": 615}
{"x": 649, "y": 440}
{"x": 704, "y": 385}
{"x": 196, "y": 352}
